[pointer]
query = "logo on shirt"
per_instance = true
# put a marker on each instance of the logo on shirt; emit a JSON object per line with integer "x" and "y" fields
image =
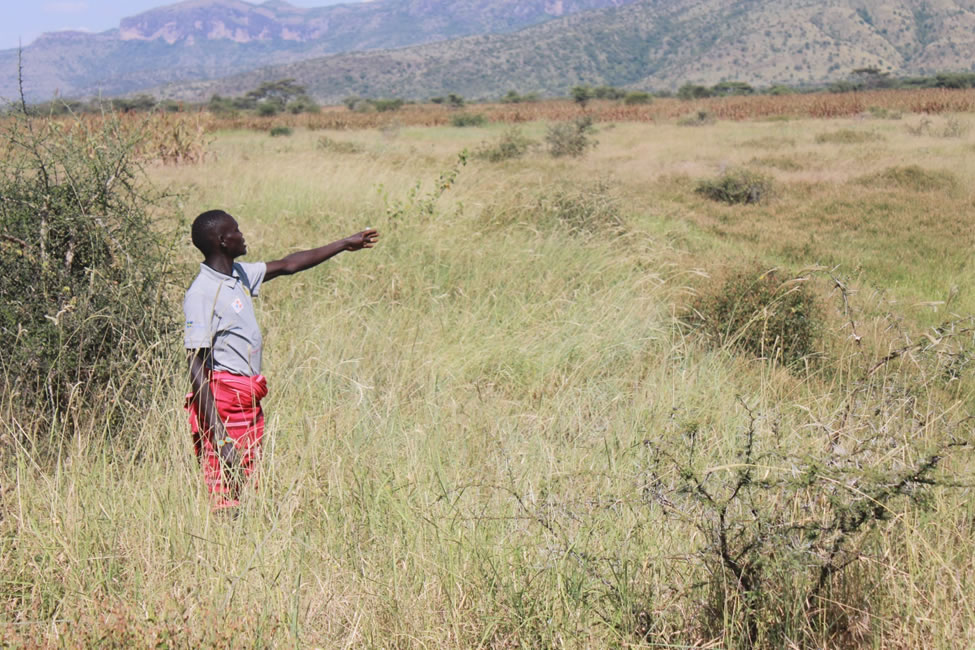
{"x": 237, "y": 305}
{"x": 189, "y": 324}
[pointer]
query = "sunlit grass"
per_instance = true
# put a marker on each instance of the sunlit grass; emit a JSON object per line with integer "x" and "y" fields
{"x": 458, "y": 417}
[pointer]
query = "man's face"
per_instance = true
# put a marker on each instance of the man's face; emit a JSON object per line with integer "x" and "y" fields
{"x": 231, "y": 239}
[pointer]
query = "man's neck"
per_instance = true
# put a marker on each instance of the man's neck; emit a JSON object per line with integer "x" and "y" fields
{"x": 220, "y": 264}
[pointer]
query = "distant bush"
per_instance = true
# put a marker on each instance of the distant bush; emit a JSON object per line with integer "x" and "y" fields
{"x": 385, "y": 105}
{"x": 512, "y": 144}
{"x": 267, "y": 109}
{"x": 697, "y": 118}
{"x": 512, "y": 97}
{"x": 351, "y": 101}
{"x": 693, "y": 91}
{"x": 570, "y": 138}
{"x": 912, "y": 177}
{"x": 736, "y": 186}
{"x": 455, "y": 101}
{"x": 303, "y": 104}
{"x": 326, "y": 143}
{"x": 279, "y": 131}
{"x": 637, "y": 97}
{"x": 468, "y": 119}
{"x": 761, "y": 313}
{"x": 581, "y": 94}
{"x": 848, "y": 136}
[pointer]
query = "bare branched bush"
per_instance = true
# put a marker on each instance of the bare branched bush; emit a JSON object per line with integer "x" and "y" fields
{"x": 736, "y": 186}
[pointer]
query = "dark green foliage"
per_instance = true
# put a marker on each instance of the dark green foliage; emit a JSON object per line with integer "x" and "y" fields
{"x": 386, "y": 105}
{"x": 455, "y": 101}
{"x": 608, "y": 92}
{"x": 736, "y": 186}
{"x": 279, "y": 130}
{"x": 83, "y": 299}
{"x": 570, "y": 138}
{"x": 512, "y": 97}
{"x": 731, "y": 88}
{"x": 267, "y": 109}
{"x": 512, "y": 144}
{"x": 637, "y": 97}
{"x": 693, "y": 91}
{"x": 468, "y": 119}
{"x": 581, "y": 94}
{"x": 761, "y": 313}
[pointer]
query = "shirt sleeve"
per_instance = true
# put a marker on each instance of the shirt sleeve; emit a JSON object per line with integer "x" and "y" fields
{"x": 252, "y": 273}
{"x": 198, "y": 310}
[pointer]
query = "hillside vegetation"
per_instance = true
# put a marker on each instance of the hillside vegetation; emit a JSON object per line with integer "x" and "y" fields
{"x": 213, "y": 38}
{"x": 653, "y": 44}
{"x": 532, "y": 416}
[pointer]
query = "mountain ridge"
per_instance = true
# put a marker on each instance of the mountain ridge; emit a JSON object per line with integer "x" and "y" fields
{"x": 199, "y": 39}
{"x": 651, "y": 44}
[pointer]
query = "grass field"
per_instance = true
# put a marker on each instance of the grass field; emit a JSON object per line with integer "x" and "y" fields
{"x": 481, "y": 433}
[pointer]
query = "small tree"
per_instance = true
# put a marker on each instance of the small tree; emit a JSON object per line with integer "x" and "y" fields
{"x": 581, "y": 94}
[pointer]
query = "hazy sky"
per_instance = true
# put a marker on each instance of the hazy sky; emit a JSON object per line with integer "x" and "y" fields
{"x": 25, "y": 21}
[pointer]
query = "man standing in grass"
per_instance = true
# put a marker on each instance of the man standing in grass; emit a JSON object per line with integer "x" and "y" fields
{"x": 224, "y": 345}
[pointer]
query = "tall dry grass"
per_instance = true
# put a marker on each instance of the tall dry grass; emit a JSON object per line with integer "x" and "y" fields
{"x": 459, "y": 418}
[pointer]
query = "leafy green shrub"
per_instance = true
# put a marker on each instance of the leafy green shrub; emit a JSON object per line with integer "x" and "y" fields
{"x": 513, "y": 97}
{"x": 385, "y": 105}
{"x": 697, "y": 118}
{"x": 326, "y": 143}
{"x": 912, "y": 177}
{"x": 467, "y": 119}
{"x": 637, "y": 97}
{"x": 570, "y": 138}
{"x": 512, "y": 144}
{"x": 279, "y": 131}
{"x": 848, "y": 136}
{"x": 86, "y": 270}
{"x": 267, "y": 109}
{"x": 736, "y": 186}
{"x": 760, "y": 313}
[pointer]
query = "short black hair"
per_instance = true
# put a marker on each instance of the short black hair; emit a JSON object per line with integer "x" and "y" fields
{"x": 204, "y": 227}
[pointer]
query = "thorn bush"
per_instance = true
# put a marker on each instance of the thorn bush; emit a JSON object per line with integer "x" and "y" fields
{"x": 761, "y": 313}
{"x": 513, "y": 143}
{"x": 86, "y": 270}
{"x": 736, "y": 186}
{"x": 570, "y": 138}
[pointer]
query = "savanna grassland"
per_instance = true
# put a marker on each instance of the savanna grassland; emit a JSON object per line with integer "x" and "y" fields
{"x": 503, "y": 427}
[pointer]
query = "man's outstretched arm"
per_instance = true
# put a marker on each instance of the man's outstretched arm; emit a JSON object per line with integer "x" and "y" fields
{"x": 306, "y": 259}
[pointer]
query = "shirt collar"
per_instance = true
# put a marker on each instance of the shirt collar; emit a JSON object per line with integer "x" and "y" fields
{"x": 218, "y": 276}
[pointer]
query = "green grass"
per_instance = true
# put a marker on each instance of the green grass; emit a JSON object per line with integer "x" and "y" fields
{"x": 459, "y": 419}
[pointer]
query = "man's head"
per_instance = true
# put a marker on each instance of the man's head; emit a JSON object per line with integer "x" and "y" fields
{"x": 216, "y": 232}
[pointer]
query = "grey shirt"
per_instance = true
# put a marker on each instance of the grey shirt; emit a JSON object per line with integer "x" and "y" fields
{"x": 220, "y": 316}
